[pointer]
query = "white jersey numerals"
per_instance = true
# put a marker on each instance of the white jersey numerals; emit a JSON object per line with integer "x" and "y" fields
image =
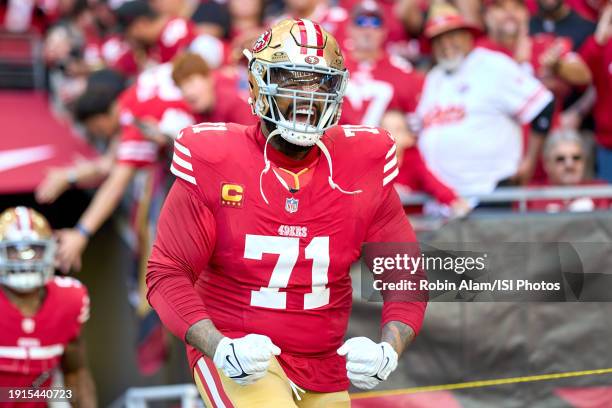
{"x": 288, "y": 250}
{"x": 208, "y": 126}
{"x": 352, "y": 130}
{"x": 376, "y": 94}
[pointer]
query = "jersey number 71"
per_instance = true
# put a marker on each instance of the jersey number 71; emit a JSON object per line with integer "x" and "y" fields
{"x": 288, "y": 250}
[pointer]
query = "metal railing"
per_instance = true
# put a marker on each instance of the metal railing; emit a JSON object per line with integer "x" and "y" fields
{"x": 522, "y": 195}
{"x": 140, "y": 397}
{"x": 21, "y": 63}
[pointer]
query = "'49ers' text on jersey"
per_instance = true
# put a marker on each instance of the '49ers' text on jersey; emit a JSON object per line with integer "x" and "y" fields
{"x": 280, "y": 268}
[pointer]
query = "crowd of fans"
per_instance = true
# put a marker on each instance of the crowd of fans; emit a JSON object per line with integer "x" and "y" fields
{"x": 130, "y": 73}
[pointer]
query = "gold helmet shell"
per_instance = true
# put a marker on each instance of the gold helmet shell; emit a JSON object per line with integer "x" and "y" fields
{"x": 297, "y": 46}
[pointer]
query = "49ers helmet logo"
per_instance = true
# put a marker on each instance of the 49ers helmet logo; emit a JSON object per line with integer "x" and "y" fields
{"x": 312, "y": 60}
{"x": 262, "y": 42}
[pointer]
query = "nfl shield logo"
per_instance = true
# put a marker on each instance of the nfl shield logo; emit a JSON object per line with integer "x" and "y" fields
{"x": 291, "y": 205}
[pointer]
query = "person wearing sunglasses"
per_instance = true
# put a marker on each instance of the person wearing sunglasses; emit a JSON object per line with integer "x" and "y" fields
{"x": 379, "y": 82}
{"x": 565, "y": 163}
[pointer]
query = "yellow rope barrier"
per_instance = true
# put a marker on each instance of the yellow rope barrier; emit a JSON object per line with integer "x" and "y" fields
{"x": 482, "y": 383}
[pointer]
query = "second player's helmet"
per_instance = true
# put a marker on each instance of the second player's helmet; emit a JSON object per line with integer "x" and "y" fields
{"x": 298, "y": 79}
{"x": 27, "y": 249}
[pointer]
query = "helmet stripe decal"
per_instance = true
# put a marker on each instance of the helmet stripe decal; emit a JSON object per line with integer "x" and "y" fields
{"x": 23, "y": 217}
{"x": 303, "y": 35}
{"x": 312, "y": 36}
{"x": 319, "y": 39}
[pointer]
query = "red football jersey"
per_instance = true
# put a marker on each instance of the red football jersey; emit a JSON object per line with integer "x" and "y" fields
{"x": 154, "y": 97}
{"x": 31, "y": 348}
{"x": 279, "y": 269}
{"x": 374, "y": 88}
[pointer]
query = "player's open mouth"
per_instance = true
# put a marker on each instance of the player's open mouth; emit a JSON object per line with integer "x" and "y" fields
{"x": 303, "y": 113}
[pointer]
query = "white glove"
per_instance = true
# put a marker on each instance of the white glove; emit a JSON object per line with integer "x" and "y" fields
{"x": 246, "y": 359}
{"x": 368, "y": 363}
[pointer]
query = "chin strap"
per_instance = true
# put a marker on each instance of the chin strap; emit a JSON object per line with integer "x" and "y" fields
{"x": 266, "y": 163}
{"x": 330, "y": 179}
{"x": 321, "y": 146}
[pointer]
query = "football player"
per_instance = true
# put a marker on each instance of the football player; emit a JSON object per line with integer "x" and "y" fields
{"x": 251, "y": 262}
{"x": 42, "y": 315}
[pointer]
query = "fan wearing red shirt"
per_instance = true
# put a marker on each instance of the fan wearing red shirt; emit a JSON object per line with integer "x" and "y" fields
{"x": 212, "y": 97}
{"x": 251, "y": 262}
{"x": 403, "y": 20}
{"x": 379, "y": 82}
{"x": 42, "y": 315}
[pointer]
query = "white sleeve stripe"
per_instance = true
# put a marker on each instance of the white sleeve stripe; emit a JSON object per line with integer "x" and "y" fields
{"x": 390, "y": 177}
{"x": 183, "y": 163}
{"x": 182, "y": 175}
{"x": 182, "y": 149}
{"x": 535, "y": 103}
{"x": 390, "y": 164}
{"x": 391, "y": 152}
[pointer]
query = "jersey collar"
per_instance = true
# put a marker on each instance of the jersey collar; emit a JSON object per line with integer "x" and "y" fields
{"x": 279, "y": 158}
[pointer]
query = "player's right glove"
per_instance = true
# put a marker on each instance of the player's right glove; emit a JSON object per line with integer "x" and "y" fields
{"x": 246, "y": 359}
{"x": 368, "y": 363}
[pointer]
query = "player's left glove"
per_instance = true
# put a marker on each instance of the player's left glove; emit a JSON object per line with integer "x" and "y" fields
{"x": 368, "y": 363}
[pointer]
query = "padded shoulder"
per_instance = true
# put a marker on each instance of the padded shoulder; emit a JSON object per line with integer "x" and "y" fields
{"x": 204, "y": 148}
{"x": 368, "y": 150}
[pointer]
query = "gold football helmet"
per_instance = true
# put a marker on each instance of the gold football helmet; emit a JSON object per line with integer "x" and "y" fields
{"x": 298, "y": 79}
{"x": 27, "y": 249}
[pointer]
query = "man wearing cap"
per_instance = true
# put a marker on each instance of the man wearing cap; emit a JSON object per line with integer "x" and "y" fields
{"x": 379, "y": 82}
{"x": 473, "y": 104}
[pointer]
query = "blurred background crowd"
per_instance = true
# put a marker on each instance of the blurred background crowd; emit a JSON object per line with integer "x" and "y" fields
{"x": 479, "y": 94}
{"x": 128, "y": 74}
